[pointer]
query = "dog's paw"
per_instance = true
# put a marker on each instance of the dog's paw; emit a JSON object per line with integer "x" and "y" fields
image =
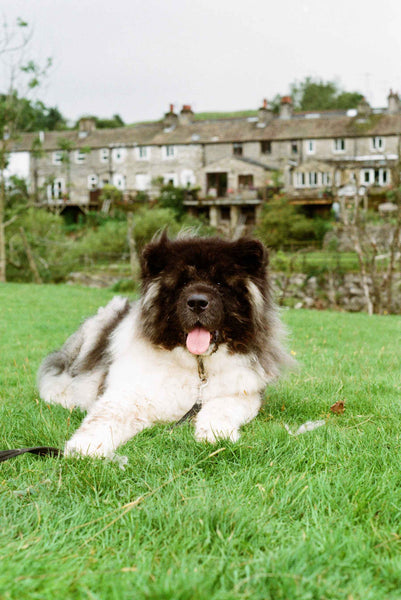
{"x": 213, "y": 435}
{"x": 83, "y": 446}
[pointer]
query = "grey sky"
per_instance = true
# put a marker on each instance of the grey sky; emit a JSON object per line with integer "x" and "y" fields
{"x": 136, "y": 57}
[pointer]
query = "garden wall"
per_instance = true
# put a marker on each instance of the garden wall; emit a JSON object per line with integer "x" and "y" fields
{"x": 331, "y": 290}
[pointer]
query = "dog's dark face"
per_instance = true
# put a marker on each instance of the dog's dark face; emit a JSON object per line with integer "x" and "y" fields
{"x": 200, "y": 292}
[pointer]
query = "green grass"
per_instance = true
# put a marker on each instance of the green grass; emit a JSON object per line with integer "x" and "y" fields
{"x": 314, "y": 260}
{"x": 271, "y": 517}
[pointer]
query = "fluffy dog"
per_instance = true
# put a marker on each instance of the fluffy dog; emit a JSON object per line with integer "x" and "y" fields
{"x": 205, "y": 331}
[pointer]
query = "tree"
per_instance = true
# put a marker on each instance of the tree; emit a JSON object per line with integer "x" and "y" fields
{"x": 23, "y": 77}
{"x": 316, "y": 94}
{"x": 34, "y": 115}
{"x": 112, "y": 123}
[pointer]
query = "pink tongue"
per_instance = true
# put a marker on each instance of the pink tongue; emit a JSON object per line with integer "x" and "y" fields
{"x": 198, "y": 340}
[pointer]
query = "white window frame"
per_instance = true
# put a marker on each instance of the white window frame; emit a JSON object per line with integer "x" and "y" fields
{"x": 119, "y": 181}
{"x": 169, "y": 152}
{"x": 313, "y": 178}
{"x": 170, "y": 176}
{"x": 385, "y": 177}
{"x": 142, "y": 152}
{"x": 310, "y": 146}
{"x": 79, "y": 157}
{"x": 93, "y": 182}
{"x": 326, "y": 178}
{"x": 56, "y": 190}
{"x": 379, "y": 177}
{"x": 57, "y": 157}
{"x": 142, "y": 182}
{"x": 377, "y": 143}
{"x": 187, "y": 177}
{"x": 339, "y": 145}
{"x": 104, "y": 155}
{"x": 367, "y": 176}
{"x": 118, "y": 154}
{"x": 300, "y": 179}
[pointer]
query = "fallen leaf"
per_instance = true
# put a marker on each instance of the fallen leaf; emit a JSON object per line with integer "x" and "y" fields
{"x": 338, "y": 407}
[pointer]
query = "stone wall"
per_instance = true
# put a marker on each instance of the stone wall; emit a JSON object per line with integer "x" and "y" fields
{"x": 339, "y": 239}
{"x": 332, "y": 290}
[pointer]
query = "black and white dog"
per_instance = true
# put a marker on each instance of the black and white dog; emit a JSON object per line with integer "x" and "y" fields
{"x": 204, "y": 331}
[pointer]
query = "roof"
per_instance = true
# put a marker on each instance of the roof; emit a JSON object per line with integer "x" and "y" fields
{"x": 222, "y": 131}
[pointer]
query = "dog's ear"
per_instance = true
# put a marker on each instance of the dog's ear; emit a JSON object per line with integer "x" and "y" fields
{"x": 251, "y": 255}
{"x": 154, "y": 256}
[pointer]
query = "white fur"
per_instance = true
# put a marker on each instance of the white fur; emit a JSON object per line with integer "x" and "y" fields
{"x": 147, "y": 384}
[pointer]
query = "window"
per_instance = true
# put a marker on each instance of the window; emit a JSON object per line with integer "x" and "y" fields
{"x": 377, "y": 143}
{"x": 142, "y": 181}
{"x": 171, "y": 178}
{"x": 299, "y": 180}
{"x": 266, "y": 147}
{"x": 57, "y": 157}
{"x": 187, "y": 177}
{"x": 118, "y": 155}
{"x": 79, "y": 157}
{"x": 294, "y": 147}
{"x": 310, "y": 147}
{"x": 312, "y": 176}
{"x": 93, "y": 182}
{"x": 367, "y": 176}
{"x": 119, "y": 181}
{"x": 379, "y": 177}
{"x": 326, "y": 178}
{"x": 142, "y": 152}
{"x": 168, "y": 152}
{"x": 339, "y": 145}
{"x": 245, "y": 182}
{"x": 56, "y": 190}
{"x": 237, "y": 149}
{"x": 104, "y": 155}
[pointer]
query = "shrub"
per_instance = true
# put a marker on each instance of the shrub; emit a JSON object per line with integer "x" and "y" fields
{"x": 51, "y": 249}
{"x": 282, "y": 224}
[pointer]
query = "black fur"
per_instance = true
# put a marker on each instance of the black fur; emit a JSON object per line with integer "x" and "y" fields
{"x": 221, "y": 270}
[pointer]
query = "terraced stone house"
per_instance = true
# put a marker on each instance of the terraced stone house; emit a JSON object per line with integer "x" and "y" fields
{"x": 230, "y": 166}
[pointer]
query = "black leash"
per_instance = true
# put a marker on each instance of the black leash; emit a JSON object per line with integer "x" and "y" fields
{"x": 193, "y": 411}
{"x": 39, "y": 450}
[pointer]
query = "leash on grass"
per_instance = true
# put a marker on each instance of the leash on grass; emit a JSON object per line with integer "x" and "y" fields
{"x": 39, "y": 450}
{"x": 50, "y": 451}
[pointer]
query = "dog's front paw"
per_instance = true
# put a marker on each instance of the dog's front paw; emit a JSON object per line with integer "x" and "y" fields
{"x": 84, "y": 446}
{"x": 212, "y": 435}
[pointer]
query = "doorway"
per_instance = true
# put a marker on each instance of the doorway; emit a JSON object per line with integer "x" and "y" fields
{"x": 216, "y": 184}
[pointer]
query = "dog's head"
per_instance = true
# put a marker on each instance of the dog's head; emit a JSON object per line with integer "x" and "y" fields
{"x": 200, "y": 292}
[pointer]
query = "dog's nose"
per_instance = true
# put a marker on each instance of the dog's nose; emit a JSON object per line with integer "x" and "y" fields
{"x": 198, "y": 302}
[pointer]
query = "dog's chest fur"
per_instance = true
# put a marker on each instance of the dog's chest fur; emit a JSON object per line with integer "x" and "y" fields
{"x": 169, "y": 381}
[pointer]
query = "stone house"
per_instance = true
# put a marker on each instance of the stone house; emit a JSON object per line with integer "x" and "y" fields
{"x": 232, "y": 162}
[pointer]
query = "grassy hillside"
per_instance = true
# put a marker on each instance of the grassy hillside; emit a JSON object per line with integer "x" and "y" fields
{"x": 271, "y": 517}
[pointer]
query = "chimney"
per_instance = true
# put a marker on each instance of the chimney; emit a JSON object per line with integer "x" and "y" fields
{"x": 394, "y": 105}
{"x": 364, "y": 109}
{"x": 86, "y": 125}
{"x": 286, "y": 107}
{"x": 170, "y": 118}
{"x": 186, "y": 115}
{"x": 265, "y": 114}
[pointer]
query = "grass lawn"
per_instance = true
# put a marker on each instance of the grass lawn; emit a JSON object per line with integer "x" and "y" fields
{"x": 316, "y": 516}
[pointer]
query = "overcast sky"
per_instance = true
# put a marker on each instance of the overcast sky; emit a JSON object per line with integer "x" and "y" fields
{"x": 136, "y": 57}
